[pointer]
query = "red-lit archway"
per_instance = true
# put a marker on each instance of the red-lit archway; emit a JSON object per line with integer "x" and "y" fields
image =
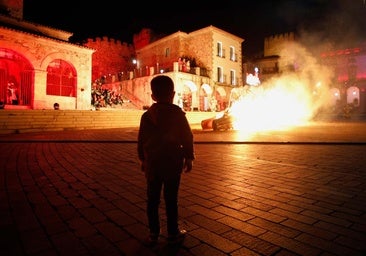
{"x": 16, "y": 79}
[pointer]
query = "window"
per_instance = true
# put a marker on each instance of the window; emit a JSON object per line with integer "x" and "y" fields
{"x": 232, "y": 77}
{"x": 220, "y": 76}
{"x": 61, "y": 79}
{"x": 167, "y": 52}
{"x": 219, "y": 49}
{"x": 232, "y": 53}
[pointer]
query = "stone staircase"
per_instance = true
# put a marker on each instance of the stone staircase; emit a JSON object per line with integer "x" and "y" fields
{"x": 22, "y": 121}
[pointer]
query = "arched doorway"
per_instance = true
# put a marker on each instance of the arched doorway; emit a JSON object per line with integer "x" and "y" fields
{"x": 335, "y": 96}
{"x": 220, "y": 95}
{"x": 16, "y": 79}
{"x": 335, "y": 99}
{"x": 353, "y": 96}
{"x": 188, "y": 88}
{"x": 205, "y": 98}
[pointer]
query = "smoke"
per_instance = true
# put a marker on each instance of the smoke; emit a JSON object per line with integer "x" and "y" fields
{"x": 310, "y": 80}
{"x": 341, "y": 24}
{"x": 296, "y": 96}
{"x": 304, "y": 88}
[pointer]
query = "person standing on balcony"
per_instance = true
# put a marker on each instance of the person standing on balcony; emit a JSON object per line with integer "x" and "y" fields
{"x": 165, "y": 149}
{"x": 180, "y": 64}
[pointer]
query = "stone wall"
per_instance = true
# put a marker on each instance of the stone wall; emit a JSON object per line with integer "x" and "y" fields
{"x": 111, "y": 59}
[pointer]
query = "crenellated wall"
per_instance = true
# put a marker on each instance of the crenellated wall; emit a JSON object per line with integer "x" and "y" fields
{"x": 110, "y": 58}
{"x": 274, "y": 44}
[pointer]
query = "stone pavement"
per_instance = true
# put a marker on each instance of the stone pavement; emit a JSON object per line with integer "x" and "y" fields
{"x": 300, "y": 192}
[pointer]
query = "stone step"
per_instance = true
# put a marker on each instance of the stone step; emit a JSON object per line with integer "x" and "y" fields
{"x": 21, "y": 121}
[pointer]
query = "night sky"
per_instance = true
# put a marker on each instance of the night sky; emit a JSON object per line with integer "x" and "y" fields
{"x": 337, "y": 20}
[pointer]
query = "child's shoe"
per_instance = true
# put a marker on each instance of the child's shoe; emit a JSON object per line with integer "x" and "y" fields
{"x": 177, "y": 238}
{"x": 152, "y": 240}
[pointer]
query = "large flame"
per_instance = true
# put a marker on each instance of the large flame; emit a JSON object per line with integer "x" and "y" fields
{"x": 288, "y": 100}
{"x": 272, "y": 107}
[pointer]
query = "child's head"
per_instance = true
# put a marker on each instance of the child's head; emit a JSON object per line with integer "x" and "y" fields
{"x": 162, "y": 89}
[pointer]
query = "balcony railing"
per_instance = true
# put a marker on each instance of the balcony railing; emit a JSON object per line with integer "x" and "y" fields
{"x": 148, "y": 71}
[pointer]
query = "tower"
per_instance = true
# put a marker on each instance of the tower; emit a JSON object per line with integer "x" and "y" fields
{"x": 13, "y": 8}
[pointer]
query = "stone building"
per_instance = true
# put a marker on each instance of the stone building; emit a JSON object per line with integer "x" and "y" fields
{"x": 347, "y": 88}
{"x": 39, "y": 66}
{"x": 111, "y": 60}
{"x": 349, "y": 83}
{"x": 270, "y": 63}
{"x": 205, "y": 65}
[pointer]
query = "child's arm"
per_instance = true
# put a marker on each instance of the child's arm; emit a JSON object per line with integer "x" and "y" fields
{"x": 188, "y": 164}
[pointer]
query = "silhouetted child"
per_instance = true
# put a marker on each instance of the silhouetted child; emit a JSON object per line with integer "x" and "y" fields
{"x": 165, "y": 148}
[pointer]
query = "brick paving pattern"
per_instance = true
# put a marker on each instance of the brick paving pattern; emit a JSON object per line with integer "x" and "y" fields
{"x": 82, "y": 193}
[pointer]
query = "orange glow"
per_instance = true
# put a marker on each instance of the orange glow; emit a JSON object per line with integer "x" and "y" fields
{"x": 282, "y": 104}
{"x": 292, "y": 99}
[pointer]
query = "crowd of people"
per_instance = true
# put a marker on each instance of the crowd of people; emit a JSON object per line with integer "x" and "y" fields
{"x": 104, "y": 97}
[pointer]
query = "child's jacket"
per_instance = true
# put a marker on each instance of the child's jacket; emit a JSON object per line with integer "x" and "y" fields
{"x": 165, "y": 139}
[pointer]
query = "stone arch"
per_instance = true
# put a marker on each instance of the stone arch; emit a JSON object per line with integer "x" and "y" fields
{"x": 353, "y": 96}
{"x": 206, "y": 98}
{"x": 188, "y": 96}
{"x": 16, "y": 79}
{"x": 220, "y": 95}
{"x": 61, "y": 78}
{"x": 335, "y": 96}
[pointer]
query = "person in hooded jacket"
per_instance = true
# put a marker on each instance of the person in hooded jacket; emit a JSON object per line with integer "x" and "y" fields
{"x": 166, "y": 149}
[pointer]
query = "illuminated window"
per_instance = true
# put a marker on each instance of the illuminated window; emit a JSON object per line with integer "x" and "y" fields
{"x": 61, "y": 79}
{"x": 232, "y": 53}
{"x": 219, "y": 49}
{"x": 353, "y": 96}
{"x": 232, "y": 77}
{"x": 220, "y": 75}
{"x": 167, "y": 52}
